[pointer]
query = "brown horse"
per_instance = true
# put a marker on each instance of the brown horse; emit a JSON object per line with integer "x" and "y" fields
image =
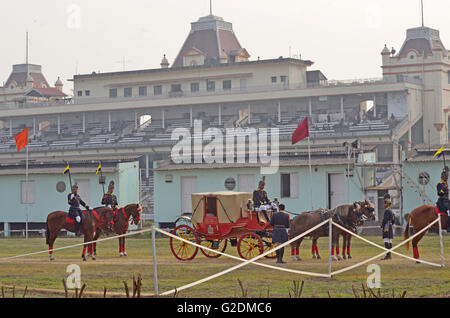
{"x": 419, "y": 218}
{"x": 350, "y": 217}
{"x": 121, "y": 222}
{"x": 94, "y": 219}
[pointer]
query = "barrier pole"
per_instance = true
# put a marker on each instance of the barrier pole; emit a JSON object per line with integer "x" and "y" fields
{"x": 155, "y": 269}
{"x": 330, "y": 234}
{"x": 441, "y": 243}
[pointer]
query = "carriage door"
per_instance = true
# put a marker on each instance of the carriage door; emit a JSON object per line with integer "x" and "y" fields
{"x": 188, "y": 186}
{"x": 83, "y": 191}
{"x": 336, "y": 188}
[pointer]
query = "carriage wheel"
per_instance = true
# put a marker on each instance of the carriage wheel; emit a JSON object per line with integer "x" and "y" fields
{"x": 222, "y": 247}
{"x": 268, "y": 245}
{"x": 250, "y": 245}
{"x": 181, "y": 250}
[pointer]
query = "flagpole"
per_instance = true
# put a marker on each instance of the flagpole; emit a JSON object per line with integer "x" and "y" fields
{"x": 26, "y": 198}
{"x": 310, "y": 174}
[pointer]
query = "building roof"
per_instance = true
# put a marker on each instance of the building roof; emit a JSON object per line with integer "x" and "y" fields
{"x": 214, "y": 37}
{"x": 187, "y": 68}
{"x": 21, "y": 72}
{"x": 422, "y": 40}
{"x": 45, "y": 92}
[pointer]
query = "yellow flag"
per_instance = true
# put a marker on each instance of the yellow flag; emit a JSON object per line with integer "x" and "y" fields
{"x": 66, "y": 170}
{"x": 99, "y": 169}
{"x": 439, "y": 152}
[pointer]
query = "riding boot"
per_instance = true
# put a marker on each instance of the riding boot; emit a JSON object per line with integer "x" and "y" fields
{"x": 281, "y": 250}
{"x": 278, "y": 255}
{"x": 77, "y": 229}
{"x": 448, "y": 223}
{"x": 388, "y": 255}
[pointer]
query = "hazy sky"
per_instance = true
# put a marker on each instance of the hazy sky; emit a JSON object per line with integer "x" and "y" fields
{"x": 343, "y": 37}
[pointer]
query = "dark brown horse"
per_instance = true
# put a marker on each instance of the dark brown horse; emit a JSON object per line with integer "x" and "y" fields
{"x": 350, "y": 217}
{"x": 94, "y": 219}
{"x": 121, "y": 223}
{"x": 419, "y": 218}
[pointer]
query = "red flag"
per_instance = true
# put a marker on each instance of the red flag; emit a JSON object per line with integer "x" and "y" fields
{"x": 22, "y": 139}
{"x": 301, "y": 132}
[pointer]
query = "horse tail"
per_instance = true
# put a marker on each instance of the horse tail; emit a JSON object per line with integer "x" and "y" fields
{"x": 406, "y": 233}
{"x": 47, "y": 233}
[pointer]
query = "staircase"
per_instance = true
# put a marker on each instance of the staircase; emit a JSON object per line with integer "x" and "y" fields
{"x": 422, "y": 194}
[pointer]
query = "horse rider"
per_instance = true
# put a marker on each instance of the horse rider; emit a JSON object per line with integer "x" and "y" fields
{"x": 280, "y": 223}
{"x": 442, "y": 191}
{"x": 387, "y": 226}
{"x": 261, "y": 201}
{"x": 75, "y": 201}
{"x": 109, "y": 200}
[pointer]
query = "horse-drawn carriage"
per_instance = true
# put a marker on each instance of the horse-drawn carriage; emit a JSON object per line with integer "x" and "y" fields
{"x": 219, "y": 218}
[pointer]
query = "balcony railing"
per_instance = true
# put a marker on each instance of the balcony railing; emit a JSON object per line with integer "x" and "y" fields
{"x": 228, "y": 91}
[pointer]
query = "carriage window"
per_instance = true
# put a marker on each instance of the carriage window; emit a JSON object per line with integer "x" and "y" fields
{"x": 211, "y": 206}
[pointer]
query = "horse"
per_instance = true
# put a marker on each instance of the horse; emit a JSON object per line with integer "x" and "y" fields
{"x": 349, "y": 216}
{"x": 121, "y": 223}
{"x": 97, "y": 218}
{"x": 419, "y": 218}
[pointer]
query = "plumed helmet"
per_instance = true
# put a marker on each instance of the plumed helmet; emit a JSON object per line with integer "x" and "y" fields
{"x": 444, "y": 174}
{"x": 111, "y": 185}
{"x": 262, "y": 182}
{"x": 75, "y": 186}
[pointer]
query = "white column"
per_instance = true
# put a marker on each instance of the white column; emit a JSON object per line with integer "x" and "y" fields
{"x": 249, "y": 114}
{"x": 279, "y": 112}
{"x": 220, "y": 115}
{"x": 146, "y": 167}
{"x": 163, "y": 123}
{"x": 34, "y": 126}
{"x": 191, "y": 116}
{"x": 84, "y": 123}
{"x": 10, "y": 128}
{"x": 59, "y": 125}
{"x": 135, "y": 120}
{"x": 310, "y": 107}
{"x": 375, "y": 106}
{"x": 342, "y": 107}
{"x": 109, "y": 121}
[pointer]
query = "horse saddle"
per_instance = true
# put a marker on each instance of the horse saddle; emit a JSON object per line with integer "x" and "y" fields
{"x": 69, "y": 220}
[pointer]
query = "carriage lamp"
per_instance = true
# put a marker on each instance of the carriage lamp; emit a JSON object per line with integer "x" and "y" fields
{"x": 169, "y": 178}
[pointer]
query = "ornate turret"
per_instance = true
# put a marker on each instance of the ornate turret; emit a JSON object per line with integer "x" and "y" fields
{"x": 165, "y": 62}
{"x": 59, "y": 84}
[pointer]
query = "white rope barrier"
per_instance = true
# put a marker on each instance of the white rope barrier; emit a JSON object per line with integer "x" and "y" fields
{"x": 74, "y": 245}
{"x": 245, "y": 262}
{"x": 388, "y": 250}
{"x": 241, "y": 259}
{"x": 381, "y": 254}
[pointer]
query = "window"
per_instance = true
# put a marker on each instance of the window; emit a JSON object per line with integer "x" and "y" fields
{"x": 143, "y": 91}
{"x": 195, "y": 87}
{"x": 27, "y": 191}
{"x": 112, "y": 92}
{"x": 211, "y": 206}
{"x": 157, "y": 90}
{"x": 226, "y": 84}
{"x": 175, "y": 88}
{"x": 289, "y": 185}
{"x": 87, "y": 93}
{"x": 80, "y": 93}
{"x": 283, "y": 79}
{"x": 128, "y": 92}
{"x": 210, "y": 86}
{"x": 448, "y": 73}
{"x": 274, "y": 79}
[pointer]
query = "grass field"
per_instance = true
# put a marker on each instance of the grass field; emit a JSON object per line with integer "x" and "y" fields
{"x": 110, "y": 271}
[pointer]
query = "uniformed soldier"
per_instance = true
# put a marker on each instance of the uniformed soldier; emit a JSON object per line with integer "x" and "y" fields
{"x": 280, "y": 223}
{"x": 387, "y": 226}
{"x": 442, "y": 192}
{"x": 75, "y": 201}
{"x": 261, "y": 201}
{"x": 109, "y": 200}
